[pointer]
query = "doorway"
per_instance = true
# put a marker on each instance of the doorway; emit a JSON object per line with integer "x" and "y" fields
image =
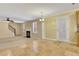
{"x": 63, "y": 28}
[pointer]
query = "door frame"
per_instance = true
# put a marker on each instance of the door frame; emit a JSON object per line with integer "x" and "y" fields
{"x": 43, "y": 30}
{"x": 68, "y": 28}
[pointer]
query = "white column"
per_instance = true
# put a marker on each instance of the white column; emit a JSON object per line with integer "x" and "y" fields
{"x": 43, "y": 31}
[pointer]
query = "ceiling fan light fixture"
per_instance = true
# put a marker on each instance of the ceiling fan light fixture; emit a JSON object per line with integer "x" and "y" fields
{"x": 41, "y": 19}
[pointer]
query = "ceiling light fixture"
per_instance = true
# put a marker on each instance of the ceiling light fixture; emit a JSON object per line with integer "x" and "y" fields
{"x": 73, "y": 3}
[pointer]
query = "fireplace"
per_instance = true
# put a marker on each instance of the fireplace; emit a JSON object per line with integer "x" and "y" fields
{"x": 28, "y": 34}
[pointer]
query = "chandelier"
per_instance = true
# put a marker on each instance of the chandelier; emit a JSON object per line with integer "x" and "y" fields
{"x": 42, "y": 17}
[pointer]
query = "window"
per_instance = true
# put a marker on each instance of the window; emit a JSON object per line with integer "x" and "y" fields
{"x": 34, "y": 27}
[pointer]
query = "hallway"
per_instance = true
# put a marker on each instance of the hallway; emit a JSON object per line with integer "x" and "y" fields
{"x": 39, "y": 29}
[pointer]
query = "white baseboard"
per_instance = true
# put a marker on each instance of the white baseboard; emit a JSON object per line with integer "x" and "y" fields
{"x": 56, "y": 40}
{"x": 62, "y": 41}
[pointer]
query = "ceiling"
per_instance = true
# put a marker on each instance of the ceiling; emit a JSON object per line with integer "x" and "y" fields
{"x": 30, "y": 11}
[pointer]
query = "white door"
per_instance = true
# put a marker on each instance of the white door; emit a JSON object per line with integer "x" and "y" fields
{"x": 63, "y": 28}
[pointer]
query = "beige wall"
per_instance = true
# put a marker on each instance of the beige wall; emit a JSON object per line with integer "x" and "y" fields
{"x": 28, "y": 25}
{"x": 4, "y": 31}
{"x": 18, "y": 27}
{"x": 50, "y": 26}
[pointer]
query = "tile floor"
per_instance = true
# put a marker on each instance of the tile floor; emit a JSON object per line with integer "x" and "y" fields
{"x": 21, "y": 46}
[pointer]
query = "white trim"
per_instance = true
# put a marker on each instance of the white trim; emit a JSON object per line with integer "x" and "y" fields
{"x": 67, "y": 28}
{"x": 34, "y": 29}
{"x": 56, "y": 30}
{"x": 36, "y": 38}
{"x": 16, "y": 21}
{"x": 43, "y": 30}
{"x": 57, "y": 40}
{"x": 61, "y": 41}
{"x": 63, "y": 12}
